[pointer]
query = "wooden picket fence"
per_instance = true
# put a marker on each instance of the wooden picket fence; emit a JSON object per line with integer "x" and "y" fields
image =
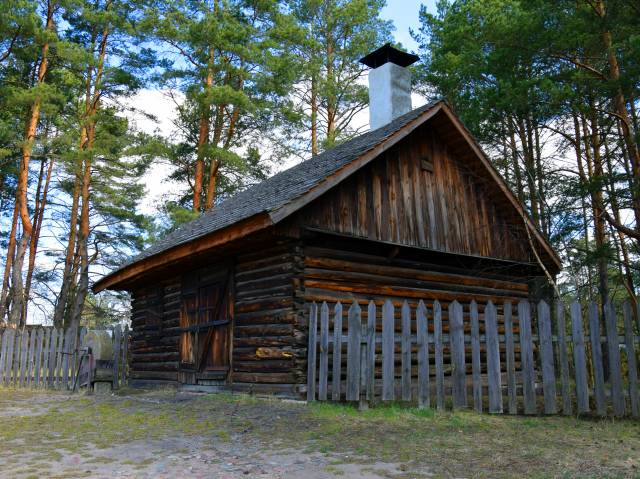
{"x": 47, "y": 357}
{"x": 495, "y": 358}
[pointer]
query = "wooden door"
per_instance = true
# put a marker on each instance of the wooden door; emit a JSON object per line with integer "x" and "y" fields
{"x": 205, "y": 324}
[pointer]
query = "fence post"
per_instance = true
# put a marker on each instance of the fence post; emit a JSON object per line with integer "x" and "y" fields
{"x": 456, "y": 340}
{"x": 615, "y": 370}
{"x": 117, "y": 334}
{"x": 38, "y": 358}
{"x": 406, "y": 351}
{"x": 493, "y": 358}
{"x": 31, "y": 356}
{"x": 388, "y": 346}
{"x": 323, "y": 370}
{"x": 337, "y": 352}
{"x": 511, "y": 358}
{"x": 546, "y": 358}
{"x": 563, "y": 358}
{"x": 311, "y": 353}
{"x": 439, "y": 353}
{"x": 596, "y": 357}
{"x": 631, "y": 359}
{"x": 125, "y": 356}
{"x": 3, "y": 353}
{"x": 422, "y": 331}
{"x": 579, "y": 358}
{"x": 371, "y": 350}
{"x": 24, "y": 355}
{"x": 526, "y": 345}
{"x": 353, "y": 352}
{"x": 475, "y": 357}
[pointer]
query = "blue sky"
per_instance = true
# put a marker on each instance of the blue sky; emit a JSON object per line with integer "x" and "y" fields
{"x": 404, "y": 14}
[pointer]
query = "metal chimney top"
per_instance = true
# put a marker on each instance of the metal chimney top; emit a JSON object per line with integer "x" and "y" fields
{"x": 386, "y": 54}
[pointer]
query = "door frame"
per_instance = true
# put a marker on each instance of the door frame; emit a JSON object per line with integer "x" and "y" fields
{"x": 192, "y": 282}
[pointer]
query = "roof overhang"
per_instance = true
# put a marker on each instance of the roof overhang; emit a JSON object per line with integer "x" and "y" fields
{"x": 133, "y": 271}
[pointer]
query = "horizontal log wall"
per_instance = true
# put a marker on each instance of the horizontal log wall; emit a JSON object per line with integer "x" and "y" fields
{"x": 331, "y": 275}
{"x": 155, "y": 317}
{"x": 269, "y": 340}
{"x": 420, "y": 193}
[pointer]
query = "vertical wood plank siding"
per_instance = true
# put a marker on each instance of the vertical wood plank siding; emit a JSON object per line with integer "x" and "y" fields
{"x": 394, "y": 199}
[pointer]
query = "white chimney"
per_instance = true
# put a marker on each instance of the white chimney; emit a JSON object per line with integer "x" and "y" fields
{"x": 389, "y": 84}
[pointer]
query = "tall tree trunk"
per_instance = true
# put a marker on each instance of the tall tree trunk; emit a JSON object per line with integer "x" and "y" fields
{"x": 62, "y": 300}
{"x": 38, "y": 216}
{"x": 83, "y": 237}
{"x": 31, "y": 125}
{"x": 594, "y": 167}
{"x": 527, "y": 151}
{"x": 581, "y": 171}
{"x": 331, "y": 97}
{"x": 203, "y": 138}
{"x": 11, "y": 249}
{"x": 314, "y": 115}
{"x": 517, "y": 173}
{"x": 624, "y": 118}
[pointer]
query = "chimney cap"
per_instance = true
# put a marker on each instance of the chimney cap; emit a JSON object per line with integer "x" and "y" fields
{"x": 386, "y": 54}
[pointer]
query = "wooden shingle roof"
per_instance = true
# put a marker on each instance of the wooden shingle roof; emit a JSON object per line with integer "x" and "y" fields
{"x": 277, "y": 197}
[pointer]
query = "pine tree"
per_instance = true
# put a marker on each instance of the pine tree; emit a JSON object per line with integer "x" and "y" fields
{"x": 331, "y": 90}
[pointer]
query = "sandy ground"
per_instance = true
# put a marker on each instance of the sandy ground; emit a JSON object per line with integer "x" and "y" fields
{"x": 174, "y": 455}
{"x": 164, "y": 434}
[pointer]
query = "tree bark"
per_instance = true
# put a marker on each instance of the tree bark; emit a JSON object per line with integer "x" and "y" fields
{"x": 31, "y": 125}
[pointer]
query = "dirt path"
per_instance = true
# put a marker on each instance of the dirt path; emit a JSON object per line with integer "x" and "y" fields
{"x": 165, "y": 434}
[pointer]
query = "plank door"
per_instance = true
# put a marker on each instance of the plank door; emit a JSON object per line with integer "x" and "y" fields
{"x": 205, "y": 323}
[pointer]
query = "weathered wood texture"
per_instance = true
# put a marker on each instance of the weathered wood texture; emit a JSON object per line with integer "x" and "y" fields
{"x": 46, "y": 357}
{"x": 269, "y": 327}
{"x": 451, "y": 208}
{"x": 270, "y": 323}
{"x": 528, "y": 354}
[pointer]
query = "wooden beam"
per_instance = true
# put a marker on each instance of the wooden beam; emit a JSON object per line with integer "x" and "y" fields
{"x": 133, "y": 271}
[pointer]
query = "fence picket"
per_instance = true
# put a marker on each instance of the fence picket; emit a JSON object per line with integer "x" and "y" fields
{"x": 3, "y": 353}
{"x": 456, "y": 340}
{"x": 8, "y": 371}
{"x": 57, "y": 376}
{"x": 323, "y": 369}
{"x": 45, "y": 357}
{"x": 475, "y": 357}
{"x": 66, "y": 352}
{"x": 31, "y": 356}
{"x": 406, "y": 352}
{"x": 125, "y": 356}
{"x": 337, "y": 352}
{"x": 311, "y": 353}
{"x": 38, "y": 357}
{"x": 388, "y": 366}
{"x": 579, "y": 358}
{"x": 546, "y": 358}
{"x": 52, "y": 358}
{"x": 422, "y": 334}
{"x": 439, "y": 354}
{"x": 596, "y": 359}
{"x": 632, "y": 368}
{"x": 511, "y": 358}
{"x": 24, "y": 355}
{"x": 371, "y": 350}
{"x": 526, "y": 348}
{"x": 615, "y": 371}
{"x": 353, "y": 352}
{"x": 493, "y": 358}
{"x": 563, "y": 359}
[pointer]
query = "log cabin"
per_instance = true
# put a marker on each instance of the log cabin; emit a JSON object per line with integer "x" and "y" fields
{"x": 412, "y": 209}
